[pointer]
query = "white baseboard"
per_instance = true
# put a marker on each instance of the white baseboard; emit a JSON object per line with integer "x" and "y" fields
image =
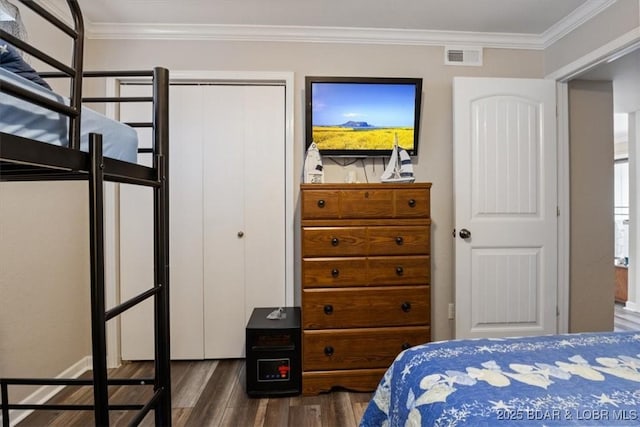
{"x": 631, "y": 306}
{"x": 45, "y": 393}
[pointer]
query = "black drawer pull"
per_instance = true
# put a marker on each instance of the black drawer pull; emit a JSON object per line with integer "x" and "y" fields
{"x": 406, "y": 346}
{"x": 328, "y": 309}
{"x": 399, "y": 240}
{"x": 328, "y": 350}
{"x": 335, "y": 241}
{"x": 399, "y": 270}
{"x": 335, "y": 272}
{"x": 406, "y": 306}
{"x": 321, "y": 203}
{"x": 412, "y": 203}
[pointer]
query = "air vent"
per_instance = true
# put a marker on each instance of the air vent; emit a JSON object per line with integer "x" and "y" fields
{"x": 457, "y": 55}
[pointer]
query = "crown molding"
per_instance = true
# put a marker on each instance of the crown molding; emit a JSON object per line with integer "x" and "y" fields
{"x": 304, "y": 34}
{"x": 575, "y": 19}
{"x": 310, "y": 34}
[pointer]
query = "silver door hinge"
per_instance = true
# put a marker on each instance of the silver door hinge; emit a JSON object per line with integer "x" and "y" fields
{"x": 557, "y": 210}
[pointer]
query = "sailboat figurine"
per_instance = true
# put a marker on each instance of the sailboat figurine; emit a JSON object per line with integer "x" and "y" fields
{"x": 399, "y": 169}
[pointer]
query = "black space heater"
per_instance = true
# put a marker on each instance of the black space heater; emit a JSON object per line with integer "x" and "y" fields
{"x": 273, "y": 353}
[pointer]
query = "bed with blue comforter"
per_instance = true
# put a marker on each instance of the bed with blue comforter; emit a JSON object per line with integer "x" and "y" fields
{"x": 556, "y": 380}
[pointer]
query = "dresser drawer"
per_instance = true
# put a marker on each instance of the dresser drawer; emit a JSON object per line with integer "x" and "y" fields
{"x": 327, "y": 272}
{"x": 411, "y": 203}
{"x": 360, "y": 271}
{"x": 360, "y": 241}
{"x": 368, "y": 203}
{"x": 408, "y": 240}
{"x": 405, "y": 270}
{"x": 334, "y": 241}
{"x": 357, "y": 203}
{"x": 365, "y": 307}
{"x": 358, "y": 348}
{"x": 320, "y": 204}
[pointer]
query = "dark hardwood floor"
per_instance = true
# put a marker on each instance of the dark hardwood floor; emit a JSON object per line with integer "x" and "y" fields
{"x": 210, "y": 393}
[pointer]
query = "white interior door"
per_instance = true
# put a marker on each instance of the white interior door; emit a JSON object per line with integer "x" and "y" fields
{"x": 244, "y": 211}
{"x": 506, "y": 201}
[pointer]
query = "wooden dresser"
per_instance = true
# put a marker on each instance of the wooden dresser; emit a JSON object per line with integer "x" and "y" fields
{"x": 366, "y": 273}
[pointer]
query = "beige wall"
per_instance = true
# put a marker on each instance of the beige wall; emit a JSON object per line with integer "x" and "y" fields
{"x": 44, "y": 274}
{"x": 434, "y": 163}
{"x": 591, "y": 175}
{"x": 615, "y": 21}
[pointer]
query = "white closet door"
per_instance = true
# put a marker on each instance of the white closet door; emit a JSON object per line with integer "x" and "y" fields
{"x": 185, "y": 233}
{"x": 185, "y": 222}
{"x": 264, "y": 202}
{"x": 227, "y": 221}
{"x": 244, "y": 217}
{"x": 136, "y": 243}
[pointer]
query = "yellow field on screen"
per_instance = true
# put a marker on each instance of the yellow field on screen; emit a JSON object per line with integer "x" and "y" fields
{"x": 341, "y": 138}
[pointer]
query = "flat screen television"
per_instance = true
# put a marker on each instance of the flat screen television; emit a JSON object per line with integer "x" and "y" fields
{"x": 361, "y": 116}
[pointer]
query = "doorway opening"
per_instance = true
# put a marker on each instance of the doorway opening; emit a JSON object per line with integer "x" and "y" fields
{"x": 623, "y": 319}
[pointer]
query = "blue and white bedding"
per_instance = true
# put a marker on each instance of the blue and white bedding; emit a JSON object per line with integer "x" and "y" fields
{"x": 21, "y": 118}
{"x": 556, "y": 380}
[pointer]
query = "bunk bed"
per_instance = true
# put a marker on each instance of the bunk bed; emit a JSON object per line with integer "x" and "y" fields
{"x": 80, "y": 154}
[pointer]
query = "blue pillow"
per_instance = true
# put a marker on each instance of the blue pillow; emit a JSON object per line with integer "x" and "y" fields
{"x": 11, "y": 60}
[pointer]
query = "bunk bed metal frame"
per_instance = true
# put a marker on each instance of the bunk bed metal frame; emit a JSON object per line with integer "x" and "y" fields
{"x": 28, "y": 160}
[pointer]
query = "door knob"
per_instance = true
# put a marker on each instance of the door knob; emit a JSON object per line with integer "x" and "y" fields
{"x": 240, "y": 234}
{"x": 464, "y": 233}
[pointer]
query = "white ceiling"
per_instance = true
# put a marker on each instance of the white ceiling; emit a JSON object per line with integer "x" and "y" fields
{"x": 501, "y": 16}
{"x": 490, "y": 23}
{"x": 517, "y": 24}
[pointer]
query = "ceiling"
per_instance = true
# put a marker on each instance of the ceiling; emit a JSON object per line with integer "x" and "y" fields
{"x": 490, "y": 23}
{"x": 501, "y": 16}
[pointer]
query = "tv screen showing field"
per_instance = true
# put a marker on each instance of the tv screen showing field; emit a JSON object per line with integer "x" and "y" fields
{"x": 363, "y": 116}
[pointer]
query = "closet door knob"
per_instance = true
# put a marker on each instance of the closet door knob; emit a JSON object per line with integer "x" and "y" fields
{"x": 328, "y": 350}
{"x": 406, "y": 306}
{"x": 321, "y": 203}
{"x": 335, "y": 272}
{"x": 399, "y": 270}
{"x": 335, "y": 241}
{"x": 240, "y": 234}
{"x": 412, "y": 203}
{"x": 399, "y": 240}
{"x": 328, "y": 309}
